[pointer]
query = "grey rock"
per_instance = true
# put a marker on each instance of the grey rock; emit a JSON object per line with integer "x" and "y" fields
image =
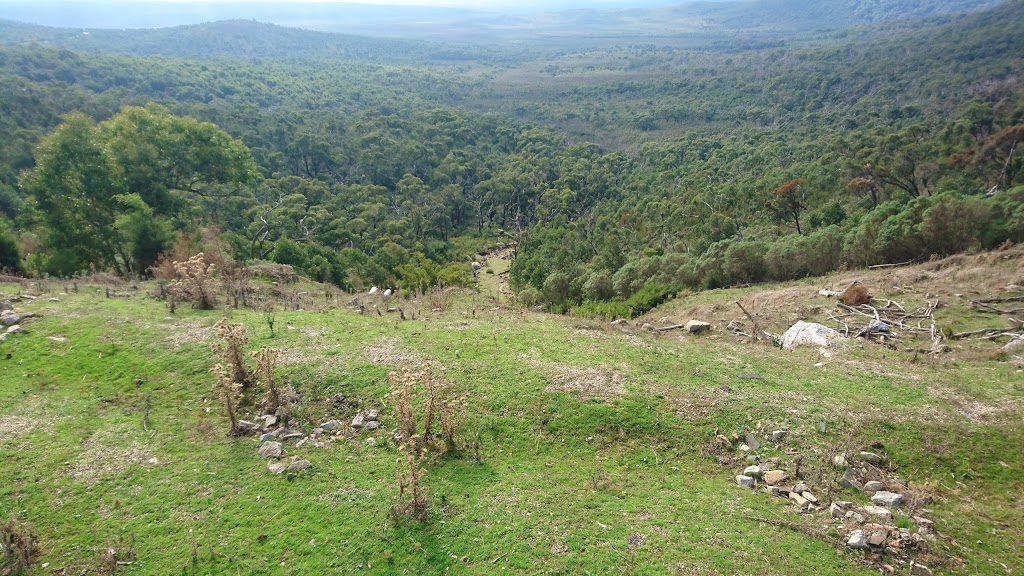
{"x": 878, "y": 326}
{"x": 269, "y": 420}
{"x": 809, "y": 497}
{"x": 877, "y": 538}
{"x": 54, "y": 300}
{"x": 271, "y": 450}
{"x": 919, "y": 569}
{"x": 359, "y": 421}
{"x": 774, "y": 491}
{"x": 267, "y": 437}
{"x": 3, "y": 337}
{"x": 836, "y": 511}
{"x": 9, "y": 318}
{"x": 873, "y": 486}
{"x": 371, "y": 414}
{"x": 849, "y": 480}
{"x": 298, "y": 464}
{"x": 317, "y": 431}
{"x": 778, "y": 435}
{"x": 331, "y": 425}
{"x": 878, "y": 512}
{"x": 697, "y": 327}
{"x": 372, "y": 425}
{"x": 809, "y": 334}
{"x": 750, "y": 377}
{"x": 292, "y": 436}
{"x": 6, "y": 306}
{"x": 798, "y": 500}
{"x": 775, "y": 477}
{"x": 844, "y": 504}
{"x": 871, "y": 457}
{"x": 889, "y": 499}
{"x": 745, "y": 481}
{"x": 801, "y": 487}
{"x": 857, "y": 540}
{"x": 752, "y": 458}
{"x": 648, "y": 327}
{"x": 1014, "y": 345}
{"x": 752, "y": 442}
{"x": 276, "y": 467}
{"x": 371, "y": 442}
{"x": 246, "y": 427}
{"x": 753, "y": 471}
{"x": 14, "y": 329}
{"x": 839, "y": 461}
{"x": 477, "y": 266}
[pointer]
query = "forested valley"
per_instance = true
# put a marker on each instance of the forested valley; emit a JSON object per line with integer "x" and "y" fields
{"x": 621, "y": 173}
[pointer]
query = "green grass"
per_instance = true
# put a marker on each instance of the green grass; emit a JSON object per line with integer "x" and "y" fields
{"x": 572, "y": 480}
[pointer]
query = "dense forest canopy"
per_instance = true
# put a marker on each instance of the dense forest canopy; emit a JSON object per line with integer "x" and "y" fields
{"x": 623, "y": 172}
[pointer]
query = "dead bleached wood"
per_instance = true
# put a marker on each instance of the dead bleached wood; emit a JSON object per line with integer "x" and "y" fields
{"x": 757, "y": 327}
{"x": 672, "y": 327}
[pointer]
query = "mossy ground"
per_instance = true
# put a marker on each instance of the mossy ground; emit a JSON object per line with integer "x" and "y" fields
{"x": 596, "y": 445}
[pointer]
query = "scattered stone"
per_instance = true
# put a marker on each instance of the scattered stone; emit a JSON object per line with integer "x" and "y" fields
{"x": 873, "y": 486}
{"x": 359, "y": 421}
{"x": 292, "y": 436}
{"x": 801, "y": 487}
{"x": 246, "y": 427}
{"x": 298, "y": 464}
{"x": 477, "y": 266}
{"x": 919, "y": 569}
{"x": 809, "y": 334}
{"x": 744, "y": 448}
{"x": 54, "y": 300}
{"x": 839, "y": 461}
{"x": 798, "y": 500}
{"x": 276, "y": 467}
{"x": 849, "y": 480}
{"x": 878, "y": 512}
{"x": 809, "y": 497}
{"x": 271, "y": 450}
{"x": 154, "y": 461}
{"x": 9, "y": 318}
{"x": 878, "y": 538}
{"x": 752, "y": 442}
{"x": 775, "y": 477}
{"x": 14, "y": 329}
{"x": 889, "y": 499}
{"x": 697, "y": 327}
{"x": 723, "y": 440}
{"x": 648, "y": 327}
{"x": 774, "y": 491}
{"x": 836, "y": 511}
{"x": 331, "y": 425}
{"x": 1014, "y": 345}
{"x": 317, "y": 431}
{"x": 3, "y": 337}
{"x": 844, "y": 505}
{"x": 372, "y": 425}
{"x": 745, "y": 481}
{"x": 871, "y": 458}
{"x": 754, "y": 471}
{"x": 371, "y": 415}
{"x": 269, "y": 420}
{"x": 752, "y": 458}
{"x": 371, "y": 442}
{"x": 924, "y": 525}
{"x": 267, "y": 437}
{"x": 6, "y": 306}
{"x": 857, "y": 540}
{"x": 778, "y": 435}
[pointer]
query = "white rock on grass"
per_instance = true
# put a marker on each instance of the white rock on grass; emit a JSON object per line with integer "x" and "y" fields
{"x": 271, "y": 450}
{"x": 745, "y": 481}
{"x": 809, "y": 334}
{"x": 754, "y": 471}
{"x": 857, "y": 540}
{"x": 889, "y": 499}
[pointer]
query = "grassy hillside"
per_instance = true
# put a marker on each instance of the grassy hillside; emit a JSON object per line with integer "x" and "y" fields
{"x": 587, "y": 448}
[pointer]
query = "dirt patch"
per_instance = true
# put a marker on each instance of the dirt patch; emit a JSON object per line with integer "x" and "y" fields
{"x": 389, "y": 353}
{"x": 973, "y": 410}
{"x": 188, "y": 332}
{"x": 100, "y": 457}
{"x": 585, "y": 383}
{"x": 13, "y": 427}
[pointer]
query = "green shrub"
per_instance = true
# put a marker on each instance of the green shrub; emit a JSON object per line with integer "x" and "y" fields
{"x": 10, "y": 254}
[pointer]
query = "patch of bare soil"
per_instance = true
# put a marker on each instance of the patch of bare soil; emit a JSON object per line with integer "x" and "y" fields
{"x": 389, "y": 353}
{"x": 976, "y": 411}
{"x": 586, "y": 383}
{"x": 13, "y": 427}
{"x": 188, "y": 332}
{"x": 101, "y": 456}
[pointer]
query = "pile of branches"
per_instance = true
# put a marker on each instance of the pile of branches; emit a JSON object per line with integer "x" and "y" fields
{"x": 1015, "y": 331}
{"x": 878, "y": 317}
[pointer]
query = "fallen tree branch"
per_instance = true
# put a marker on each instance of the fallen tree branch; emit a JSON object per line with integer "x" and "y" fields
{"x": 757, "y": 327}
{"x": 672, "y": 327}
